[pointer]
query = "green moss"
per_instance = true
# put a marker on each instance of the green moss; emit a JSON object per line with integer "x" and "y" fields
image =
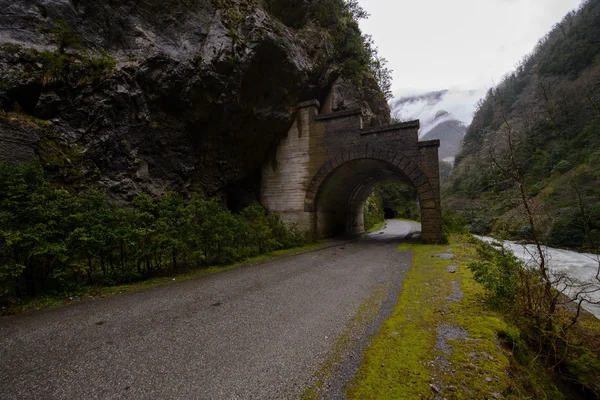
{"x": 23, "y": 119}
{"x": 12, "y": 48}
{"x": 82, "y": 67}
{"x": 394, "y": 365}
{"x": 364, "y": 315}
{"x": 402, "y": 362}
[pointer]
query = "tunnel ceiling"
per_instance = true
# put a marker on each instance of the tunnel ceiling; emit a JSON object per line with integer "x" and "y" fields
{"x": 352, "y": 182}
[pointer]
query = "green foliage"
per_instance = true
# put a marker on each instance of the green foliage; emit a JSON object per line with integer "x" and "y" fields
{"x": 550, "y": 104}
{"x": 452, "y": 222}
{"x": 63, "y": 36}
{"x": 583, "y": 366}
{"x": 355, "y": 53}
{"x": 291, "y": 12}
{"x": 54, "y": 63}
{"x": 79, "y": 68}
{"x": 498, "y": 271}
{"x": 573, "y": 44}
{"x": 52, "y": 240}
{"x": 565, "y": 341}
{"x": 400, "y": 198}
{"x": 445, "y": 170}
{"x": 373, "y": 212}
{"x": 101, "y": 64}
{"x": 562, "y": 167}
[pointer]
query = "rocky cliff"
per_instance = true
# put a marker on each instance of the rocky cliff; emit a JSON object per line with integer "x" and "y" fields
{"x": 188, "y": 95}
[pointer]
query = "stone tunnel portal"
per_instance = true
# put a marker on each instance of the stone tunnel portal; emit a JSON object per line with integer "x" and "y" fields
{"x": 341, "y": 199}
{"x": 328, "y": 164}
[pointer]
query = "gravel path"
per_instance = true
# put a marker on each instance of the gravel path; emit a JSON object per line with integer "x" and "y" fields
{"x": 258, "y": 332}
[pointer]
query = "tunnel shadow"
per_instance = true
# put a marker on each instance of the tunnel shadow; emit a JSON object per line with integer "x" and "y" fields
{"x": 389, "y": 213}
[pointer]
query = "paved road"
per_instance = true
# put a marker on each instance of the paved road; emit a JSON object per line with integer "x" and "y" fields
{"x": 258, "y": 332}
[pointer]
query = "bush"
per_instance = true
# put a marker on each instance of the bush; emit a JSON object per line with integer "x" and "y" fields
{"x": 498, "y": 271}
{"x": 373, "y": 211}
{"x": 53, "y": 240}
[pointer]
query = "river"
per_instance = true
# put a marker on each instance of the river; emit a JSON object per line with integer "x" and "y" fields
{"x": 581, "y": 268}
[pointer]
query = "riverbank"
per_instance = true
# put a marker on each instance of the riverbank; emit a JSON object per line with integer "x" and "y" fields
{"x": 443, "y": 339}
{"x": 580, "y": 268}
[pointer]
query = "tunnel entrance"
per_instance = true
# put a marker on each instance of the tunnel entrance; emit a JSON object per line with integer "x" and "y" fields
{"x": 388, "y": 213}
{"x": 329, "y": 163}
{"x": 341, "y": 199}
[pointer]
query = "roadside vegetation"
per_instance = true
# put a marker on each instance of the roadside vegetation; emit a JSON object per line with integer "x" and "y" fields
{"x": 57, "y": 242}
{"x": 460, "y": 330}
{"x": 528, "y": 171}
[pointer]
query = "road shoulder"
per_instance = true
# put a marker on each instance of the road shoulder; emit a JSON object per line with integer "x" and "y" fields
{"x": 440, "y": 341}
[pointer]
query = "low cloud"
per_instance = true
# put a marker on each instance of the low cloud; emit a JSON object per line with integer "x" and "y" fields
{"x": 460, "y": 104}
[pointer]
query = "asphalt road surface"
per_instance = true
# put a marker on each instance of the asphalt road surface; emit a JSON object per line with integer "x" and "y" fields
{"x": 257, "y": 332}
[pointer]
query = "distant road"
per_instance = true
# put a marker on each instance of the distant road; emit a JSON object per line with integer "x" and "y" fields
{"x": 258, "y": 332}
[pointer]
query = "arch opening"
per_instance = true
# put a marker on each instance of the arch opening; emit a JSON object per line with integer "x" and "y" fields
{"x": 398, "y": 201}
{"x": 389, "y": 213}
{"x": 341, "y": 198}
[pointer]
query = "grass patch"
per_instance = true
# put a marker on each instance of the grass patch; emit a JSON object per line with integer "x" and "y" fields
{"x": 377, "y": 227}
{"x": 403, "y": 361}
{"x": 395, "y": 363}
{"x": 364, "y": 315}
{"x": 46, "y": 301}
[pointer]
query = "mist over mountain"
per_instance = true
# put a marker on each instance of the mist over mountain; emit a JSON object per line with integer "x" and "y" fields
{"x": 449, "y": 131}
{"x": 444, "y": 115}
{"x": 459, "y": 103}
{"x": 543, "y": 121}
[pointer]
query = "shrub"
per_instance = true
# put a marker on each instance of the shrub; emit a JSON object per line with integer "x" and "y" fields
{"x": 498, "y": 271}
{"x": 52, "y": 240}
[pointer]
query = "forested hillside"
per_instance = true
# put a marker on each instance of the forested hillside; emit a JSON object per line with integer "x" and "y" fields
{"x": 540, "y": 127}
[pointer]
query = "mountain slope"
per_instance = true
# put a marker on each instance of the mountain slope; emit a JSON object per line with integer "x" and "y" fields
{"x": 549, "y": 108}
{"x": 449, "y": 131}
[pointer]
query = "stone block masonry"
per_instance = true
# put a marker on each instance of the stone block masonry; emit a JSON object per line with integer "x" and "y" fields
{"x": 328, "y": 165}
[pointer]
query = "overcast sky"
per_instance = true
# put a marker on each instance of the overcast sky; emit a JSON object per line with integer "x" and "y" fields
{"x": 460, "y": 45}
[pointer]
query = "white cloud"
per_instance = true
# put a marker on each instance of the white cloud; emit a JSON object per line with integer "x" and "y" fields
{"x": 461, "y": 45}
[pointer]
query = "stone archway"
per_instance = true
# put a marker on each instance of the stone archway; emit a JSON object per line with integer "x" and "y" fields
{"x": 337, "y": 193}
{"x": 328, "y": 164}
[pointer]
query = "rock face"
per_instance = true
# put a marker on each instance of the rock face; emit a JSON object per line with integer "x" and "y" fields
{"x": 18, "y": 141}
{"x": 185, "y": 95}
{"x": 347, "y": 95}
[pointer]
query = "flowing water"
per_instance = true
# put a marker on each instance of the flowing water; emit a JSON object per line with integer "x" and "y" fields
{"x": 580, "y": 269}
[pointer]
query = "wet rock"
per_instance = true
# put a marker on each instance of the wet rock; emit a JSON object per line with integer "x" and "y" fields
{"x": 47, "y": 106}
{"x": 346, "y": 95}
{"x": 452, "y": 268}
{"x": 444, "y": 256}
{"x": 457, "y": 294}
{"x": 18, "y": 140}
{"x": 201, "y": 94}
{"x": 445, "y": 332}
